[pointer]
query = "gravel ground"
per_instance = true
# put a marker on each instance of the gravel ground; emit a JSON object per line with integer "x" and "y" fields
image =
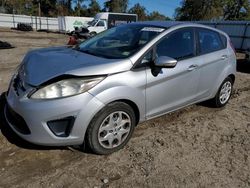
{"x": 194, "y": 147}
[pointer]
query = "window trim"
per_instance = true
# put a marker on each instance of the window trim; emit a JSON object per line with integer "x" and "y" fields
{"x": 177, "y": 30}
{"x": 197, "y": 29}
{"x": 221, "y": 36}
{"x": 98, "y": 23}
{"x": 153, "y": 47}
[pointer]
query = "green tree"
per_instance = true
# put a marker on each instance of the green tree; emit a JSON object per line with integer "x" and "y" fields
{"x": 2, "y": 2}
{"x": 30, "y": 7}
{"x": 94, "y": 8}
{"x": 213, "y": 9}
{"x": 18, "y": 6}
{"x": 235, "y": 10}
{"x": 79, "y": 7}
{"x": 116, "y": 5}
{"x": 64, "y": 7}
{"x": 48, "y": 7}
{"x": 155, "y": 15}
{"x": 193, "y": 9}
{"x": 80, "y": 10}
{"x": 140, "y": 11}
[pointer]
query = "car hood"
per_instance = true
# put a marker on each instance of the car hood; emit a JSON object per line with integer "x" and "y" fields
{"x": 43, "y": 65}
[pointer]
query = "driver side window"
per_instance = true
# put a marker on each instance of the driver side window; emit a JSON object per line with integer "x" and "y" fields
{"x": 101, "y": 24}
{"x": 178, "y": 45}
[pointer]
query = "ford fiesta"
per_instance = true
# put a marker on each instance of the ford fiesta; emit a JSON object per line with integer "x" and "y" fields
{"x": 97, "y": 92}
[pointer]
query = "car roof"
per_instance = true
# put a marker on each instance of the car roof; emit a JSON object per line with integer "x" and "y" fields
{"x": 165, "y": 24}
{"x": 168, "y": 24}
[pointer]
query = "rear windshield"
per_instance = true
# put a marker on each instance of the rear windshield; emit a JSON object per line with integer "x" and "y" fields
{"x": 121, "y": 41}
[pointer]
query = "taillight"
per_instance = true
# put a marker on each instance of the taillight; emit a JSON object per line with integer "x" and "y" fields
{"x": 232, "y": 46}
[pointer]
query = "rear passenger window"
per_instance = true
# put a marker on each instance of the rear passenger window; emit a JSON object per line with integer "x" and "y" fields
{"x": 209, "y": 41}
{"x": 178, "y": 45}
{"x": 224, "y": 40}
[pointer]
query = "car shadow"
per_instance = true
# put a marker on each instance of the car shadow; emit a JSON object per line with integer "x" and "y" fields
{"x": 243, "y": 66}
{"x": 13, "y": 138}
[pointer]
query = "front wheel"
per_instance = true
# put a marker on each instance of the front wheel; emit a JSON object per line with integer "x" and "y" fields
{"x": 224, "y": 93}
{"x": 111, "y": 128}
{"x": 92, "y": 34}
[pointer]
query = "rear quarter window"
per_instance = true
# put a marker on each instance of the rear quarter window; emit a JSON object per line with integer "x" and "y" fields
{"x": 209, "y": 41}
{"x": 224, "y": 40}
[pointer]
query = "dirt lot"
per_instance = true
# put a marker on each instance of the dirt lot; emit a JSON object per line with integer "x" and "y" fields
{"x": 194, "y": 147}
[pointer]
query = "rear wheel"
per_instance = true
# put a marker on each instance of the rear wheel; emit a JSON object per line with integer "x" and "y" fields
{"x": 224, "y": 93}
{"x": 2, "y": 103}
{"x": 111, "y": 128}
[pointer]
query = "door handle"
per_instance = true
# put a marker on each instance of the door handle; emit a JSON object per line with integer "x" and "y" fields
{"x": 192, "y": 67}
{"x": 223, "y": 57}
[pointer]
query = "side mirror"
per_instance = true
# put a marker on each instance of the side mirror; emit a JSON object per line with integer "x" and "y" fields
{"x": 165, "y": 62}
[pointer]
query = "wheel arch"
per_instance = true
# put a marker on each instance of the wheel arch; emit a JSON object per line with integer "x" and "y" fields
{"x": 133, "y": 106}
{"x": 232, "y": 76}
{"x": 227, "y": 72}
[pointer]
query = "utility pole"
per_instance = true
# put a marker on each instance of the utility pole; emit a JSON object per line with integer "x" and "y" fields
{"x": 39, "y": 9}
{"x": 78, "y": 7}
{"x": 39, "y": 12}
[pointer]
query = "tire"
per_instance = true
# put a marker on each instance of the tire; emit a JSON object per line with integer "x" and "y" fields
{"x": 104, "y": 133}
{"x": 24, "y": 27}
{"x": 2, "y": 99}
{"x": 225, "y": 88}
{"x": 92, "y": 34}
{"x": 2, "y": 105}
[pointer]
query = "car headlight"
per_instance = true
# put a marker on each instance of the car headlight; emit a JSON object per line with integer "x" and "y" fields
{"x": 66, "y": 88}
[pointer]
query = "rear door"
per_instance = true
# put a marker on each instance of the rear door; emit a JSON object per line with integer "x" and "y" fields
{"x": 213, "y": 58}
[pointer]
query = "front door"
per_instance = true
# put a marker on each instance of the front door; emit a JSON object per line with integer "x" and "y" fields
{"x": 100, "y": 26}
{"x": 174, "y": 87}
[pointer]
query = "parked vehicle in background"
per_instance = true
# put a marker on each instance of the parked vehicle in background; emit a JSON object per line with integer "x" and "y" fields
{"x": 67, "y": 24}
{"x": 101, "y": 22}
{"x": 106, "y": 20}
{"x": 97, "y": 92}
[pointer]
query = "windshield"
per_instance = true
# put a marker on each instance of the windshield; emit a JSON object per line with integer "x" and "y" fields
{"x": 92, "y": 23}
{"x": 120, "y": 42}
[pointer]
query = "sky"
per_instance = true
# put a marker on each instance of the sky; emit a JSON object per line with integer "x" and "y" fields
{"x": 166, "y": 7}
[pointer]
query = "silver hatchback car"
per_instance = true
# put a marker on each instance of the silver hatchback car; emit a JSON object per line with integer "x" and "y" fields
{"x": 97, "y": 92}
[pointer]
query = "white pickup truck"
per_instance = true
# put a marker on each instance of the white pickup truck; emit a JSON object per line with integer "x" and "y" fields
{"x": 106, "y": 20}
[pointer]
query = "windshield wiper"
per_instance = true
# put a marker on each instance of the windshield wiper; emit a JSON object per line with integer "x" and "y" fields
{"x": 84, "y": 51}
{"x": 91, "y": 53}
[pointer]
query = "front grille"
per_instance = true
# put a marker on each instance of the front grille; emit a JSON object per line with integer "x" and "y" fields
{"x": 16, "y": 121}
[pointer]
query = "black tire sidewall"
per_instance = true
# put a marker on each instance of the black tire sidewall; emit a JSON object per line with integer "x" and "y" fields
{"x": 93, "y": 129}
{"x": 92, "y": 34}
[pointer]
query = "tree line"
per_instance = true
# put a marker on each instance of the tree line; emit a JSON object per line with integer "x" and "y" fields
{"x": 87, "y": 8}
{"x": 193, "y": 10}
{"x": 189, "y": 10}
